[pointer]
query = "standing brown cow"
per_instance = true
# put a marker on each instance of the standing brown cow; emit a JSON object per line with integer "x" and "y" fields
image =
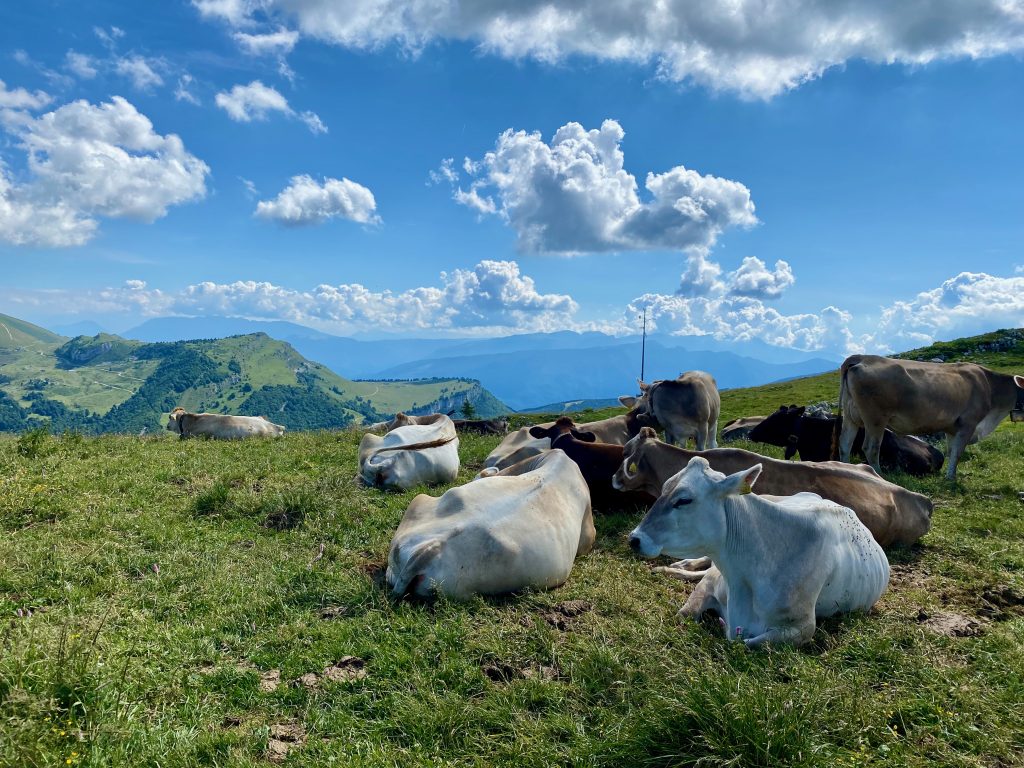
{"x": 964, "y": 400}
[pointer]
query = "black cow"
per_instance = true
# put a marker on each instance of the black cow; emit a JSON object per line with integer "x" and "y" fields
{"x": 482, "y": 426}
{"x": 811, "y": 438}
{"x": 597, "y": 463}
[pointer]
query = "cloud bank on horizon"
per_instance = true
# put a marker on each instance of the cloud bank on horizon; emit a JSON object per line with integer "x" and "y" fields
{"x": 78, "y": 163}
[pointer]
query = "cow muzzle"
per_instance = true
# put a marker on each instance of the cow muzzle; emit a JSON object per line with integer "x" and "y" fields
{"x": 1017, "y": 414}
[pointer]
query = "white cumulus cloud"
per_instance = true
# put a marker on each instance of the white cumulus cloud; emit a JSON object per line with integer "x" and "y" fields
{"x": 277, "y": 43}
{"x": 256, "y": 101}
{"x": 81, "y": 64}
{"x": 749, "y": 47}
{"x": 85, "y": 161}
{"x": 19, "y": 98}
{"x": 305, "y": 201}
{"x": 754, "y": 279}
{"x": 140, "y": 70}
{"x": 574, "y": 195}
{"x": 492, "y": 297}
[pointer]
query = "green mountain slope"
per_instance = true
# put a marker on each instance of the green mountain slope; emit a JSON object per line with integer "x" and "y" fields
{"x": 19, "y": 333}
{"x": 105, "y": 383}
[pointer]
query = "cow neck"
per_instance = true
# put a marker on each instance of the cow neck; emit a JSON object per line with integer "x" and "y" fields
{"x": 562, "y": 436}
{"x": 767, "y": 518}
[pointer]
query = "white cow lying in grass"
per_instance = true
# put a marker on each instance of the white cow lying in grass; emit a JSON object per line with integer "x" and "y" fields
{"x": 779, "y": 561}
{"x": 521, "y": 527}
{"x": 220, "y": 426}
{"x": 427, "y": 452}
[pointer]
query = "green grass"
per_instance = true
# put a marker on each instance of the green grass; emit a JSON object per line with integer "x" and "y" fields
{"x": 164, "y": 577}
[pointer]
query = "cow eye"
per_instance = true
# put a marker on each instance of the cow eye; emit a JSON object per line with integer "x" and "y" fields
{"x": 682, "y": 503}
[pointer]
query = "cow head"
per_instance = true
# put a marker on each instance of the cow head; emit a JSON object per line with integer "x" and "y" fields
{"x": 175, "y": 423}
{"x": 688, "y": 519}
{"x": 629, "y": 476}
{"x": 1017, "y": 414}
{"x": 779, "y": 427}
{"x": 564, "y": 426}
{"x": 400, "y": 420}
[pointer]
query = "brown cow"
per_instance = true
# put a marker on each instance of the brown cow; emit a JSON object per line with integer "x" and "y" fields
{"x": 685, "y": 407}
{"x": 597, "y": 461}
{"x": 964, "y": 400}
{"x": 739, "y": 429}
{"x": 893, "y": 514}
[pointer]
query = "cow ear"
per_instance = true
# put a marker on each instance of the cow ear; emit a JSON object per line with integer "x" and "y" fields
{"x": 627, "y": 400}
{"x": 741, "y": 482}
{"x": 801, "y": 410}
{"x": 586, "y": 437}
{"x": 1019, "y": 380}
{"x": 538, "y": 432}
{"x": 643, "y": 387}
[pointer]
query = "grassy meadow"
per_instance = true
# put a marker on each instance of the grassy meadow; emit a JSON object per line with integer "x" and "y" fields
{"x": 192, "y": 603}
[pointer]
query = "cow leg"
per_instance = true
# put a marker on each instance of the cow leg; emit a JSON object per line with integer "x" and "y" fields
{"x": 708, "y": 595}
{"x": 713, "y": 433}
{"x": 700, "y": 437}
{"x": 873, "y": 444}
{"x": 955, "y": 449}
{"x": 846, "y": 438}
{"x": 687, "y": 570}
{"x": 796, "y": 634}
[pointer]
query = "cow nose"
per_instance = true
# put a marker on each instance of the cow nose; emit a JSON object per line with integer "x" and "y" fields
{"x": 634, "y": 543}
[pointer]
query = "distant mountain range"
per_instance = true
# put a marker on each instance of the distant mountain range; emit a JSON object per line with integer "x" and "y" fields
{"x": 522, "y": 370}
{"x": 107, "y": 383}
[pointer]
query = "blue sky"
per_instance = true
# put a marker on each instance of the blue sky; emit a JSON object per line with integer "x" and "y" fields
{"x": 890, "y": 191}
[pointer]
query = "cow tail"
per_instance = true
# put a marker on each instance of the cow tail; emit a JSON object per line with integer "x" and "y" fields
{"x": 410, "y": 572}
{"x": 837, "y": 428}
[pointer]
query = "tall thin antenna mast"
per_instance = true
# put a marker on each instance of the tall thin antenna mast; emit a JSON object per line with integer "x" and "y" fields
{"x": 643, "y": 347}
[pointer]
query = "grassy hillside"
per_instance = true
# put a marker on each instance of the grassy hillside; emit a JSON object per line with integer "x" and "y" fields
{"x": 106, "y": 383}
{"x": 178, "y": 603}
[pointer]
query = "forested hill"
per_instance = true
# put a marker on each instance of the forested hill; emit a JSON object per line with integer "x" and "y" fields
{"x": 105, "y": 383}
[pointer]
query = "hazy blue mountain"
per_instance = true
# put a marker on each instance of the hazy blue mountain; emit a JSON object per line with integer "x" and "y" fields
{"x": 524, "y": 379}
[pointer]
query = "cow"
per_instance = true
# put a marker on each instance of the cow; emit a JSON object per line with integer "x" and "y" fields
{"x": 739, "y": 429}
{"x": 221, "y": 426}
{"x": 597, "y": 461}
{"x": 409, "y": 455}
{"x": 521, "y": 527}
{"x": 780, "y": 561}
{"x": 811, "y": 438}
{"x": 963, "y": 400}
{"x": 521, "y": 445}
{"x": 482, "y": 426}
{"x": 893, "y": 514}
{"x": 685, "y": 407}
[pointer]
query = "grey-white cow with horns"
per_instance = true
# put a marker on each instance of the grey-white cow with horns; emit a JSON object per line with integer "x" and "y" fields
{"x": 779, "y": 561}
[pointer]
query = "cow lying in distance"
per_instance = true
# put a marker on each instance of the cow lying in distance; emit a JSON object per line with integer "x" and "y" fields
{"x": 739, "y": 429}
{"x": 597, "y": 461}
{"x": 963, "y": 400}
{"x": 893, "y": 514}
{"x": 521, "y": 527}
{"x": 412, "y": 454}
{"x": 482, "y": 426}
{"x": 811, "y": 438}
{"x": 519, "y": 445}
{"x": 685, "y": 407}
{"x": 221, "y": 426}
{"x": 780, "y": 562}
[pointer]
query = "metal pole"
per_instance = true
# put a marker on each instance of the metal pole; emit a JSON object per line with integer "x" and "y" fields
{"x": 643, "y": 347}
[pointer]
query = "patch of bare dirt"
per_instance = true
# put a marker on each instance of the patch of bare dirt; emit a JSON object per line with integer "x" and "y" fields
{"x": 1000, "y": 603}
{"x": 345, "y": 670}
{"x": 331, "y": 612}
{"x": 950, "y": 624}
{"x": 562, "y": 616}
{"x": 269, "y": 680}
{"x": 908, "y": 577}
{"x": 231, "y": 721}
{"x": 504, "y": 672}
{"x": 284, "y": 737}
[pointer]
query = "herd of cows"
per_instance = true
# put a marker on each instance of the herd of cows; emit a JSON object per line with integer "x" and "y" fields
{"x": 773, "y": 544}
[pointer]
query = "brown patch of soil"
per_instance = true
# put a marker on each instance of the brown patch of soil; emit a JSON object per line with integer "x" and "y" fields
{"x": 346, "y": 669}
{"x": 950, "y": 624}
{"x": 1000, "y": 603}
{"x": 562, "y": 616}
{"x": 330, "y": 612}
{"x": 284, "y": 737}
{"x": 269, "y": 680}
